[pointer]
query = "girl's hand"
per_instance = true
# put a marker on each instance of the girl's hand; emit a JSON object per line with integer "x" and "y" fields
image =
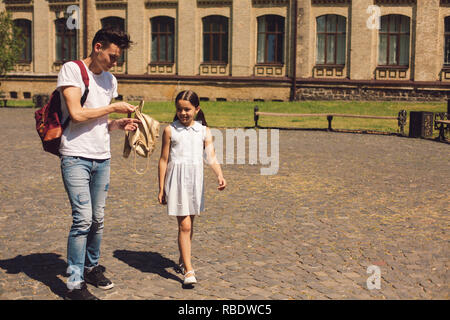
{"x": 162, "y": 198}
{"x": 127, "y": 124}
{"x": 222, "y": 183}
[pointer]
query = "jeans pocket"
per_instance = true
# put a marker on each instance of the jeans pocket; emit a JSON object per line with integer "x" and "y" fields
{"x": 67, "y": 161}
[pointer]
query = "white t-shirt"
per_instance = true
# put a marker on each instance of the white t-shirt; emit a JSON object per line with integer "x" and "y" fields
{"x": 87, "y": 139}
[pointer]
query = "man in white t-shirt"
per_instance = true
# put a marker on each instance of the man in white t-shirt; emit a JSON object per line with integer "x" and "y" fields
{"x": 85, "y": 156}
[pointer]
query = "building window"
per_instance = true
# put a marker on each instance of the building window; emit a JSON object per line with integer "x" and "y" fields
{"x": 331, "y": 40}
{"x": 447, "y": 42}
{"x": 66, "y": 42}
{"x": 394, "y": 41}
{"x": 270, "y": 39}
{"x": 25, "y": 30}
{"x": 162, "y": 39}
{"x": 115, "y": 23}
{"x": 215, "y": 39}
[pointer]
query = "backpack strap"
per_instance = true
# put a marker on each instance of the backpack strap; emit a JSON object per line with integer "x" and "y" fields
{"x": 85, "y": 77}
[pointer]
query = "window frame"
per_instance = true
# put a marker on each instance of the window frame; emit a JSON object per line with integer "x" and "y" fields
{"x": 447, "y": 42}
{"x": 25, "y": 24}
{"x": 281, "y": 22}
{"x": 72, "y": 34}
{"x": 398, "y": 34}
{"x": 334, "y": 33}
{"x": 224, "y": 26}
{"x": 170, "y": 23}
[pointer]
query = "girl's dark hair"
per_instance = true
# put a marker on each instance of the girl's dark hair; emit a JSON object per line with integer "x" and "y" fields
{"x": 192, "y": 97}
{"x": 109, "y": 35}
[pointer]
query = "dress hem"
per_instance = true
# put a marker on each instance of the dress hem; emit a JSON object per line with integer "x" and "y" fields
{"x": 184, "y": 215}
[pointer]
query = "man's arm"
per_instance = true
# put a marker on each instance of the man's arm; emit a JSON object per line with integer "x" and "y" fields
{"x": 72, "y": 96}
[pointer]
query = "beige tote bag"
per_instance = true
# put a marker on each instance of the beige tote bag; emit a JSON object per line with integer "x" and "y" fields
{"x": 142, "y": 141}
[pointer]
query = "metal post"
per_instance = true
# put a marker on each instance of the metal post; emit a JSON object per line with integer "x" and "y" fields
{"x": 329, "y": 118}
{"x": 256, "y": 116}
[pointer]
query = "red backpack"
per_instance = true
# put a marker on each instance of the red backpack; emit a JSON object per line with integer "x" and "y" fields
{"x": 48, "y": 118}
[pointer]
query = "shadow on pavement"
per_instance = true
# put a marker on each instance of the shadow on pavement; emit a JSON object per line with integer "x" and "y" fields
{"x": 43, "y": 267}
{"x": 152, "y": 262}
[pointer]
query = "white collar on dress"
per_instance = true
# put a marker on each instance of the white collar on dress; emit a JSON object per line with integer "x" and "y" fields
{"x": 197, "y": 126}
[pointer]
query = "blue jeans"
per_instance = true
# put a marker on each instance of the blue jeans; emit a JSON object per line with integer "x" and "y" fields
{"x": 86, "y": 182}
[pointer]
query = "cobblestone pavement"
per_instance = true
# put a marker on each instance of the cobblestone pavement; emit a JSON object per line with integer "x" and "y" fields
{"x": 339, "y": 203}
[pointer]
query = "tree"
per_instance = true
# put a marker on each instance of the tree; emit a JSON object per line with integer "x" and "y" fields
{"x": 12, "y": 43}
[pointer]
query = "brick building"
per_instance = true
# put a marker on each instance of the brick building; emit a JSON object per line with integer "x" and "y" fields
{"x": 246, "y": 49}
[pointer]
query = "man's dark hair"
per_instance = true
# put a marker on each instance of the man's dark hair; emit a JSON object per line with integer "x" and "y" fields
{"x": 109, "y": 35}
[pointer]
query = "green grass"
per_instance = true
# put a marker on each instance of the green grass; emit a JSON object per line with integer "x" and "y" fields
{"x": 18, "y": 104}
{"x": 240, "y": 114}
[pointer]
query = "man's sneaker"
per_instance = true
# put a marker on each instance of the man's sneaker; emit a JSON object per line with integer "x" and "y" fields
{"x": 80, "y": 294}
{"x": 96, "y": 278}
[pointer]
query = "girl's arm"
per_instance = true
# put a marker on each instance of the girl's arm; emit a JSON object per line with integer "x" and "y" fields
{"x": 212, "y": 160}
{"x": 162, "y": 167}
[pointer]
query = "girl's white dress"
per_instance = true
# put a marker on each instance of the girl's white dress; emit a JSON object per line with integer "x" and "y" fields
{"x": 184, "y": 186}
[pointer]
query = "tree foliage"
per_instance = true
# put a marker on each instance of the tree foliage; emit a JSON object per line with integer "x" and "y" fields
{"x": 12, "y": 42}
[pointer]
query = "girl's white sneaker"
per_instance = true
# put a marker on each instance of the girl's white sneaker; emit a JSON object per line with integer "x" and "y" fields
{"x": 189, "y": 277}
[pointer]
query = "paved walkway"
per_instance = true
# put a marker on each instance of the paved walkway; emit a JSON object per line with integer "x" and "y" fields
{"x": 339, "y": 203}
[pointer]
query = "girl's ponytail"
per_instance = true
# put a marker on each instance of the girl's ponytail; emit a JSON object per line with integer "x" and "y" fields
{"x": 201, "y": 117}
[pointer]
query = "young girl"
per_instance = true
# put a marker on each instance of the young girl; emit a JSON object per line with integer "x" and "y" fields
{"x": 181, "y": 172}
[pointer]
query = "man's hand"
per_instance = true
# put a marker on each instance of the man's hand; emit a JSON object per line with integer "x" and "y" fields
{"x": 127, "y": 124}
{"x": 123, "y": 107}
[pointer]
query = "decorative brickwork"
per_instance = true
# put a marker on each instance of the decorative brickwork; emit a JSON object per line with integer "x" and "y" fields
{"x": 19, "y": 5}
{"x": 161, "y": 4}
{"x": 161, "y": 69}
{"x": 214, "y": 3}
{"x": 395, "y": 2}
{"x": 330, "y": 72}
{"x": 445, "y": 74}
{"x": 270, "y": 2}
{"x": 110, "y": 4}
{"x": 389, "y": 73}
{"x": 270, "y": 70}
{"x": 371, "y": 93}
{"x": 330, "y": 2}
{"x": 61, "y": 5}
{"x": 23, "y": 67}
{"x": 214, "y": 69}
